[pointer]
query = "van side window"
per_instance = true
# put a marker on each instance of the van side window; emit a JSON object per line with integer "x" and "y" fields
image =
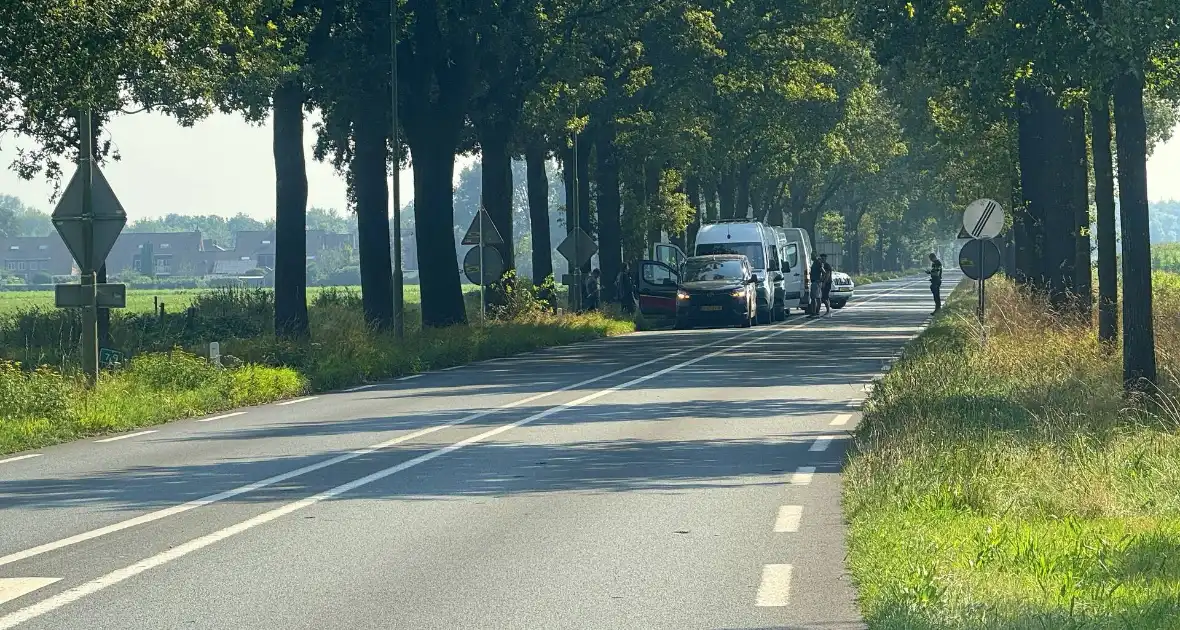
{"x": 774, "y": 261}
{"x": 792, "y": 255}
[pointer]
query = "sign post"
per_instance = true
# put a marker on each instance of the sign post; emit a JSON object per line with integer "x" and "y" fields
{"x": 482, "y": 233}
{"x": 979, "y": 258}
{"x": 89, "y": 218}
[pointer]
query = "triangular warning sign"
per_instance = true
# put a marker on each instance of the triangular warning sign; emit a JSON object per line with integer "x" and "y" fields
{"x": 963, "y": 234}
{"x": 491, "y": 236}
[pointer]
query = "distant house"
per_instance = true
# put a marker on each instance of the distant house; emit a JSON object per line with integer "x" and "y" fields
{"x": 25, "y": 256}
{"x": 175, "y": 253}
{"x": 259, "y": 245}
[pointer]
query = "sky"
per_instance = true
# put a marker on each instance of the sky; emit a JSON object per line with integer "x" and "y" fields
{"x": 224, "y": 166}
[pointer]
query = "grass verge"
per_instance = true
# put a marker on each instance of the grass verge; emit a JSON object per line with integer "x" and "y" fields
{"x": 1009, "y": 486}
{"x": 881, "y": 276}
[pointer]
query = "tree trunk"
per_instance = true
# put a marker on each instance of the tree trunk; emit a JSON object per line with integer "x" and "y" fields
{"x": 1060, "y": 254}
{"x": 694, "y": 200}
{"x": 496, "y": 181}
{"x": 711, "y": 212}
{"x": 609, "y": 206}
{"x": 725, "y": 194}
{"x": 538, "y": 190}
{"x": 369, "y": 167}
{"x": 742, "y": 210}
{"x": 434, "y": 217}
{"x": 1029, "y": 224}
{"x": 290, "y": 212}
{"x": 584, "y": 193}
{"x": 1108, "y": 297}
{"x": 1080, "y": 200}
{"x": 1139, "y": 366}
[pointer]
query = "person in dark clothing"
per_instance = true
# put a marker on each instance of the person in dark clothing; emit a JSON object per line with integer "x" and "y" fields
{"x": 935, "y": 273}
{"x": 826, "y": 286}
{"x": 817, "y": 283}
{"x": 590, "y": 299}
{"x": 626, "y": 290}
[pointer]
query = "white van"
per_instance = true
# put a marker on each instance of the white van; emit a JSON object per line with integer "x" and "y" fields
{"x": 797, "y": 255}
{"x": 759, "y": 244}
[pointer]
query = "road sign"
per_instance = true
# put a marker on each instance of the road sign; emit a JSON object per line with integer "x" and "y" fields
{"x": 78, "y": 295}
{"x": 107, "y": 219}
{"x": 979, "y": 259}
{"x": 578, "y": 248}
{"x": 963, "y": 235}
{"x": 492, "y": 263}
{"x": 482, "y": 224}
{"x": 983, "y": 218}
{"x": 110, "y": 358}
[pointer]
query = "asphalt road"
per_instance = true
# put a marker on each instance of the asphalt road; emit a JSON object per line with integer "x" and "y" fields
{"x": 685, "y": 479}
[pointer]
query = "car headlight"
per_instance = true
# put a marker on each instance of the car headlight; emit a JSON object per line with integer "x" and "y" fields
{"x": 681, "y": 295}
{"x": 738, "y": 292}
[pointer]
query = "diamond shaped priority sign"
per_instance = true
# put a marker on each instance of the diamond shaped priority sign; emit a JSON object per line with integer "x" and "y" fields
{"x": 578, "y": 247}
{"x": 89, "y": 237}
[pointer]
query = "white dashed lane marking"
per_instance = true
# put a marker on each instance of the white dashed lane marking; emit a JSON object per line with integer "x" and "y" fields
{"x": 788, "y": 519}
{"x": 123, "y": 437}
{"x": 841, "y": 420}
{"x": 19, "y": 458}
{"x": 802, "y": 476}
{"x": 821, "y": 444}
{"x": 775, "y": 588}
{"x": 297, "y": 401}
{"x": 223, "y": 416}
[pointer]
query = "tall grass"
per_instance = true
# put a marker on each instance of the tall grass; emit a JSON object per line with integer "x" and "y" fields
{"x": 1011, "y": 486}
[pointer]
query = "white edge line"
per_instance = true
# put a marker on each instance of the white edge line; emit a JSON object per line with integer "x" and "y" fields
{"x": 269, "y": 481}
{"x": 296, "y": 401}
{"x": 19, "y": 458}
{"x": 453, "y": 367}
{"x": 359, "y": 388}
{"x": 780, "y": 587}
{"x": 787, "y": 520}
{"x": 412, "y": 376}
{"x": 223, "y": 416}
{"x": 775, "y": 587}
{"x": 124, "y": 437}
{"x": 13, "y": 588}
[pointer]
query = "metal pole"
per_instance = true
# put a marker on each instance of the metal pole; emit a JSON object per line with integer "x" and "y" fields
{"x": 399, "y": 315}
{"x": 576, "y": 267}
{"x": 89, "y": 278}
{"x": 482, "y": 315}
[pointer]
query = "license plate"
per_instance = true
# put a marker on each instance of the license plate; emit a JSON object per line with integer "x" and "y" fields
{"x": 710, "y": 308}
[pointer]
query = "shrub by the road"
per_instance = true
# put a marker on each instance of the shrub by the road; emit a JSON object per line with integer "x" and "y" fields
{"x": 1012, "y": 486}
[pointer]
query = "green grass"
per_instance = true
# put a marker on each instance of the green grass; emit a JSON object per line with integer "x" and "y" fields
{"x": 1011, "y": 486}
{"x": 881, "y": 276}
{"x": 1166, "y": 257}
{"x": 175, "y": 300}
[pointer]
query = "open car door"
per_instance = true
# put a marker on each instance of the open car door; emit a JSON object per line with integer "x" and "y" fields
{"x": 658, "y": 283}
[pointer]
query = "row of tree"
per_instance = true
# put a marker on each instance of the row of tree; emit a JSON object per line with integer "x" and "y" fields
{"x": 662, "y": 115}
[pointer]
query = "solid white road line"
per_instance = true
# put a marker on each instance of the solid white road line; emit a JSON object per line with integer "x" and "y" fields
{"x": 841, "y": 420}
{"x": 412, "y": 376}
{"x": 12, "y": 588}
{"x": 452, "y": 368}
{"x": 223, "y": 416}
{"x": 821, "y": 444}
{"x": 296, "y": 401}
{"x": 775, "y": 588}
{"x": 788, "y": 519}
{"x": 72, "y": 595}
{"x": 19, "y": 458}
{"x": 221, "y": 496}
{"x": 360, "y": 388}
{"x": 124, "y": 437}
{"x": 802, "y": 476}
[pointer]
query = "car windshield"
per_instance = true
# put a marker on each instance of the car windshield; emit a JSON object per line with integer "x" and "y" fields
{"x": 703, "y": 270}
{"x": 752, "y": 251}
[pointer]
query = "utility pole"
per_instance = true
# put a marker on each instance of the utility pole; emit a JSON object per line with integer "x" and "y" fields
{"x": 576, "y": 269}
{"x": 399, "y": 314}
{"x": 88, "y": 272}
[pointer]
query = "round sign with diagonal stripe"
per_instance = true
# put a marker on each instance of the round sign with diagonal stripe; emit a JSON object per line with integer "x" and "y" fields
{"x": 983, "y": 218}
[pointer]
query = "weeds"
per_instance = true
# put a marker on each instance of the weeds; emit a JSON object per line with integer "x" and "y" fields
{"x": 1012, "y": 486}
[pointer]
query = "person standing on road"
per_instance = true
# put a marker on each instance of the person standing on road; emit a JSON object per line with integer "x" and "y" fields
{"x": 826, "y": 287}
{"x": 817, "y": 280}
{"x": 935, "y": 273}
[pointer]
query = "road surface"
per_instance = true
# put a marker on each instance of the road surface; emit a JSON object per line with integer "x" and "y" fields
{"x": 679, "y": 479}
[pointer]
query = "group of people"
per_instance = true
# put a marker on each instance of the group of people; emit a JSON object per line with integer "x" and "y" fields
{"x": 624, "y": 287}
{"x": 821, "y": 286}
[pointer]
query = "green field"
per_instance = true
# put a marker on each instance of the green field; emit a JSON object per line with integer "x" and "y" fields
{"x": 175, "y": 300}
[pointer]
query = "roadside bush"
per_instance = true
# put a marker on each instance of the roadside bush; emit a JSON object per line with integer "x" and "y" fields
{"x": 515, "y": 297}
